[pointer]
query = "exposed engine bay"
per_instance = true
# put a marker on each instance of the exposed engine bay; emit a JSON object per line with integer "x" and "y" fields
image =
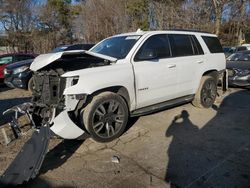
{"x": 48, "y": 99}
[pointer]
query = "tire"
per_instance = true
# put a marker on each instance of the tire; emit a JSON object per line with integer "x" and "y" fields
{"x": 206, "y": 94}
{"x": 31, "y": 85}
{"x": 106, "y": 117}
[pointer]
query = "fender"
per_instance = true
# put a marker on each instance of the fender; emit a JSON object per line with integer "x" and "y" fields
{"x": 98, "y": 78}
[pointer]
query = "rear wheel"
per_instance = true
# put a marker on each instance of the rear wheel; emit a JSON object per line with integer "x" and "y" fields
{"x": 206, "y": 94}
{"x": 106, "y": 116}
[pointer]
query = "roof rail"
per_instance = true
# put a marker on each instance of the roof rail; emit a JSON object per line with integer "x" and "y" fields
{"x": 190, "y": 30}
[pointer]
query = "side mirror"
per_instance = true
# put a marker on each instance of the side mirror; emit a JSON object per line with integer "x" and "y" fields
{"x": 146, "y": 54}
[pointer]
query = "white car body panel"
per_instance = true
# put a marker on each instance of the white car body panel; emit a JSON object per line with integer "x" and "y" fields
{"x": 94, "y": 79}
{"x": 64, "y": 127}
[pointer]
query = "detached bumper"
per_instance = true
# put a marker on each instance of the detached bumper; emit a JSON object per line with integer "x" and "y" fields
{"x": 64, "y": 127}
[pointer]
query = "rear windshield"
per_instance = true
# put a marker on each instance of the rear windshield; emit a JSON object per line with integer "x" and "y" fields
{"x": 213, "y": 44}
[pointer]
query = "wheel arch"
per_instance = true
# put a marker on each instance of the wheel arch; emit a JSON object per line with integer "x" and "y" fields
{"x": 214, "y": 73}
{"x": 120, "y": 90}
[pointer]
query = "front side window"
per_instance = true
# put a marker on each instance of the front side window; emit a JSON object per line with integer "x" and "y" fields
{"x": 156, "y": 47}
{"x": 6, "y": 60}
{"x": 117, "y": 47}
{"x": 181, "y": 45}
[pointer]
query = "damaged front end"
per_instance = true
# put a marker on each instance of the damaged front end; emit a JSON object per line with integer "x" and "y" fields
{"x": 51, "y": 110}
{"x": 50, "y": 104}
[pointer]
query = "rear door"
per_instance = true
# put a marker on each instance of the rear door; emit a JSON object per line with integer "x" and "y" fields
{"x": 188, "y": 56}
{"x": 156, "y": 74}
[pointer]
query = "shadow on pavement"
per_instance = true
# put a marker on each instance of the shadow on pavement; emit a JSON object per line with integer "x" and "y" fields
{"x": 8, "y": 103}
{"x": 39, "y": 183}
{"x": 60, "y": 154}
{"x": 218, "y": 154}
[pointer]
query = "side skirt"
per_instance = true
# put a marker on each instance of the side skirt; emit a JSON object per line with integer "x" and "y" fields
{"x": 162, "y": 106}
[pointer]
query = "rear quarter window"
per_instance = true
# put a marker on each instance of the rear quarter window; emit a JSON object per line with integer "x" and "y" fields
{"x": 213, "y": 44}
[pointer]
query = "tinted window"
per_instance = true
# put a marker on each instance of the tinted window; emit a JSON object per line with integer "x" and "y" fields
{"x": 196, "y": 45}
{"x": 118, "y": 46}
{"x": 157, "y": 44}
{"x": 6, "y": 60}
{"x": 23, "y": 57}
{"x": 181, "y": 45}
{"x": 241, "y": 48}
{"x": 80, "y": 47}
{"x": 213, "y": 44}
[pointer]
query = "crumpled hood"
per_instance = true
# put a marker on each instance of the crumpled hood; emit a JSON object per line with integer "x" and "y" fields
{"x": 46, "y": 59}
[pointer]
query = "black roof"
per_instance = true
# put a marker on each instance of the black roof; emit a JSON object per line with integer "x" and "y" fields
{"x": 190, "y": 30}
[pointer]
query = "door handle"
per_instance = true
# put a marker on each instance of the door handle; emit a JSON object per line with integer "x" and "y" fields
{"x": 171, "y": 66}
{"x": 200, "y": 62}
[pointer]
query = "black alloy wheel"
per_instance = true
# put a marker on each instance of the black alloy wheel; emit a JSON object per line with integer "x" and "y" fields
{"x": 105, "y": 118}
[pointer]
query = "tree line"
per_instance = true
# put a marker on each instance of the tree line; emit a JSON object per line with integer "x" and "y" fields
{"x": 39, "y": 26}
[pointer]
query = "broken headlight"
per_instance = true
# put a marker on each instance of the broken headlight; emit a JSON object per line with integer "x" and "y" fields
{"x": 71, "y": 81}
{"x": 74, "y": 80}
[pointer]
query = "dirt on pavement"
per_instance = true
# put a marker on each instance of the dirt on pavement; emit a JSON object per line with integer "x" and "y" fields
{"x": 180, "y": 147}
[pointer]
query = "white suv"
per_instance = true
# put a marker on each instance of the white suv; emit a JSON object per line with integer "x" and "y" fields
{"x": 95, "y": 92}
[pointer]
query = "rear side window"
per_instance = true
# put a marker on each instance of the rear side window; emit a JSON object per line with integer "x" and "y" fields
{"x": 213, "y": 44}
{"x": 181, "y": 45}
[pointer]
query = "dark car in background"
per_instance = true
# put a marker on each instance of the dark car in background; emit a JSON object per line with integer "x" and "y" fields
{"x": 18, "y": 75}
{"x": 238, "y": 66}
{"x": 7, "y": 59}
{"x": 72, "y": 47}
{"x": 231, "y": 50}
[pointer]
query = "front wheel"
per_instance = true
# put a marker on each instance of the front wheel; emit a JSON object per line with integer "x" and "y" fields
{"x": 106, "y": 116}
{"x": 206, "y": 94}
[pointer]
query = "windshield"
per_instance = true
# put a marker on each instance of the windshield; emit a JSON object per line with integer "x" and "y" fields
{"x": 117, "y": 47}
{"x": 239, "y": 57}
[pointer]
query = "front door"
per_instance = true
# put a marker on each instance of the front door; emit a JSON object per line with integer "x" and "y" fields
{"x": 156, "y": 74}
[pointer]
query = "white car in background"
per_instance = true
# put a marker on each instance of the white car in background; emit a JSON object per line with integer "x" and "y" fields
{"x": 247, "y": 45}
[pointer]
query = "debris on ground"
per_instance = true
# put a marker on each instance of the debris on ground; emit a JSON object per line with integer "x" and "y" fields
{"x": 115, "y": 159}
